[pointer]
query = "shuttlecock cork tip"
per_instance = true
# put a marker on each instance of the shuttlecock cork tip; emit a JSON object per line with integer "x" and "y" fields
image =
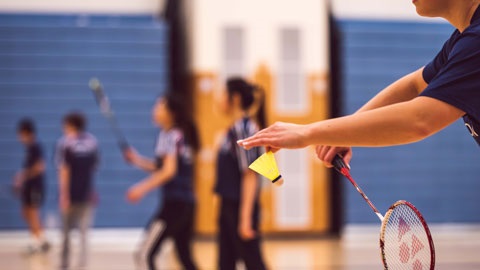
{"x": 278, "y": 182}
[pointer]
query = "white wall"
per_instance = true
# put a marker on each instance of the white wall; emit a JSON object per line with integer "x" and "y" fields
{"x": 377, "y": 9}
{"x": 261, "y": 21}
{"x": 83, "y": 6}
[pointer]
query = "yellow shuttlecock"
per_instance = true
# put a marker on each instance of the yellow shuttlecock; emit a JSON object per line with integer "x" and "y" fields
{"x": 267, "y": 166}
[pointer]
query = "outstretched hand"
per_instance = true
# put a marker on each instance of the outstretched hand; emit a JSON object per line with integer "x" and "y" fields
{"x": 277, "y": 136}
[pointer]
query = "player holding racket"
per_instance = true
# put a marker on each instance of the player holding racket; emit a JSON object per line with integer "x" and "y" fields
{"x": 238, "y": 186}
{"x": 415, "y": 107}
{"x": 173, "y": 170}
{"x": 29, "y": 183}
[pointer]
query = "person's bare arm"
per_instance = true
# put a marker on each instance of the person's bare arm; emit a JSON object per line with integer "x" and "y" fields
{"x": 156, "y": 179}
{"x": 132, "y": 157}
{"x": 64, "y": 187}
{"x": 395, "y": 124}
{"x": 402, "y": 90}
{"x": 247, "y": 201}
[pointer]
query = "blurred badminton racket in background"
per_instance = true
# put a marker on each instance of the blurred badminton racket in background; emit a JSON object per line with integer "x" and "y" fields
{"x": 106, "y": 110}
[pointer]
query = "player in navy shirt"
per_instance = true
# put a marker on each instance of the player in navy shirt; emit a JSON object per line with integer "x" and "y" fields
{"x": 77, "y": 160}
{"x": 237, "y": 185}
{"x": 171, "y": 169}
{"x": 29, "y": 183}
{"x": 415, "y": 107}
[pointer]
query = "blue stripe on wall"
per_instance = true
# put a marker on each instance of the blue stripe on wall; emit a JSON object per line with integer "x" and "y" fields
{"x": 46, "y": 62}
{"x": 440, "y": 175}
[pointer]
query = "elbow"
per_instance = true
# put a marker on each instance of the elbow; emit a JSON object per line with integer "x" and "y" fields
{"x": 421, "y": 129}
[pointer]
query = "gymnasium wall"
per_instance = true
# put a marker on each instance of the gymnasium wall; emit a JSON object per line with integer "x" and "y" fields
{"x": 382, "y": 41}
{"x": 46, "y": 62}
{"x": 140, "y": 7}
{"x": 439, "y": 175}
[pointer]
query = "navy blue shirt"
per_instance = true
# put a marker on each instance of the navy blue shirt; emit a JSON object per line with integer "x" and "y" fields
{"x": 34, "y": 155}
{"x": 454, "y": 75}
{"x": 233, "y": 160}
{"x": 80, "y": 155}
{"x": 172, "y": 142}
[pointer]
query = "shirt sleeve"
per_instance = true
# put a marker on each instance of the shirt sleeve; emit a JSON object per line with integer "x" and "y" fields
{"x": 432, "y": 68}
{"x": 167, "y": 143}
{"x": 457, "y": 82}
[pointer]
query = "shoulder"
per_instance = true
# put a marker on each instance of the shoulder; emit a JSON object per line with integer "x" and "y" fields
{"x": 90, "y": 136}
{"x": 61, "y": 142}
{"x": 34, "y": 150}
{"x": 468, "y": 42}
{"x": 87, "y": 138}
{"x": 174, "y": 134}
{"x": 244, "y": 128}
{"x": 251, "y": 127}
{"x": 451, "y": 41}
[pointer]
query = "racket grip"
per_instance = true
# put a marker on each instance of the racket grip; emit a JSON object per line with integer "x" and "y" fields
{"x": 339, "y": 164}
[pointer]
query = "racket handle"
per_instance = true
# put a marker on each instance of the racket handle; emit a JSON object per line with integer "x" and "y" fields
{"x": 339, "y": 164}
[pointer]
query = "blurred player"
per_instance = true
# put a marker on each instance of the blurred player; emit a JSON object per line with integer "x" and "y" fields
{"x": 238, "y": 186}
{"x": 172, "y": 169}
{"x": 415, "y": 107}
{"x": 77, "y": 160}
{"x": 29, "y": 183}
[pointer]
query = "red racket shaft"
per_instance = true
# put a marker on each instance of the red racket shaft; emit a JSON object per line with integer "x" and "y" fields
{"x": 341, "y": 167}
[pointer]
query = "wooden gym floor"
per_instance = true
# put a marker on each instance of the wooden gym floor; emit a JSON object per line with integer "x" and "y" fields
{"x": 458, "y": 248}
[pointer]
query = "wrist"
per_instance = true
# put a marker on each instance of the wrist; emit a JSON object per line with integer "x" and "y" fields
{"x": 307, "y": 133}
{"x": 143, "y": 187}
{"x": 245, "y": 217}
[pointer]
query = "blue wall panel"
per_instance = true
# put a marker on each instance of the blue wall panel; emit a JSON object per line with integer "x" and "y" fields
{"x": 440, "y": 175}
{"x": 46, "y": 62}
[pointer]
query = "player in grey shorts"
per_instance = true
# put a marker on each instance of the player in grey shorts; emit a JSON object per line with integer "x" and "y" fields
{"x": 77, "y": 159}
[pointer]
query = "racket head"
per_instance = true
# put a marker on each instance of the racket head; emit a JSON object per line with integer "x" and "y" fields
{"x": 405, "y": 239}
{"x": 100, "y": 97}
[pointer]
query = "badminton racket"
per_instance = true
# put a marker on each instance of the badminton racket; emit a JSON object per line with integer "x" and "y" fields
{"x": 107, "y": 112}
{"x": 405, "y": 239}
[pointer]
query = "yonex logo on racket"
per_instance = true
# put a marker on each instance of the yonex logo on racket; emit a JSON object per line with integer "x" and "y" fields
{"x": 472, "y": 131}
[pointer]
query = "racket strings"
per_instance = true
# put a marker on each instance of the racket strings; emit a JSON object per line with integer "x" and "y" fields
{"x": 405, "y": 240}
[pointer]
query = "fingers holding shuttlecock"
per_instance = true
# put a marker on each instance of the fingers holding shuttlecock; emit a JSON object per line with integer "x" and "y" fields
{"x": 267, "y": 166}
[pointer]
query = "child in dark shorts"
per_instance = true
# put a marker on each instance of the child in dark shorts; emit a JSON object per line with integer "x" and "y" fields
{"x": 29, "y": 184}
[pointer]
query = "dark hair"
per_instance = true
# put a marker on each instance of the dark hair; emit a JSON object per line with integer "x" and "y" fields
{"x": 182, "y": 119}
{"x": 26, "y": 125}
{"x": 76, "y": 120}
{"x": 249, "y": 95}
